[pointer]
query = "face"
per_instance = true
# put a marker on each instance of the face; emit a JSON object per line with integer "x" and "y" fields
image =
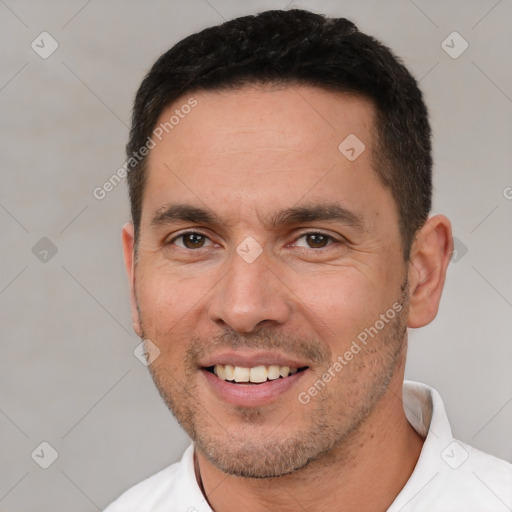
{"x": 266, "y": 254}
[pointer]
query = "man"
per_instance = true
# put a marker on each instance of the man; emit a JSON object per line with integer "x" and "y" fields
{"x": 280, "y": 185}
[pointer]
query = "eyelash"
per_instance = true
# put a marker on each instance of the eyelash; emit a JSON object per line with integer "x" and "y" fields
{"x": 332, "y": 240}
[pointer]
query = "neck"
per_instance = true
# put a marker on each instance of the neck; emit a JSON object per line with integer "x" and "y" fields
{"x": 365, "y": 472}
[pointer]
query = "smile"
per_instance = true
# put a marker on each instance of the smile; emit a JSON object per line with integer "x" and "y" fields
{"x": 252, "y": 386}
{"x": 254, "y": 375}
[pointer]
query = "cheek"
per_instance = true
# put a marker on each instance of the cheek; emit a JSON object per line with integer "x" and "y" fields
{"x": 166, "y": 304}
{"x": 343, "y": 303}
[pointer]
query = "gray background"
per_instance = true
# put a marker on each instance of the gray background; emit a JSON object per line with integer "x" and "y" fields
{"x": 68, "y": 374}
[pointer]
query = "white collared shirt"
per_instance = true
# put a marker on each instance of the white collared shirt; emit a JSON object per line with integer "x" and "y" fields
{"x": 449, "y": 476}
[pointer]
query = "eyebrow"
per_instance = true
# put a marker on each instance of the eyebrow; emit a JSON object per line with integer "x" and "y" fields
{"x": 314, "y": 212}
{"x": 184, "y": 213}
{"x": 175, "y": 213}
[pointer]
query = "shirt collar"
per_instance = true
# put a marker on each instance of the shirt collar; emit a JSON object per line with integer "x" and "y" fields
{"x": 425, "y": 411}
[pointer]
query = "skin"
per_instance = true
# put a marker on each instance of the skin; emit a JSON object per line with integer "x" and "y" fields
{"x": 246, "y": 155}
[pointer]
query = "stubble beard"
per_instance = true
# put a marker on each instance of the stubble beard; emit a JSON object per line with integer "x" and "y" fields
{"x": 332, "y": 423}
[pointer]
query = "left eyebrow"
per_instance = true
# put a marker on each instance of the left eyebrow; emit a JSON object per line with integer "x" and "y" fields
{"x": 317, "y": 212}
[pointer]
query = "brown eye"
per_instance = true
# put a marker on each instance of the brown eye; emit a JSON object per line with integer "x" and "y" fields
{"x": 317, "y": 240}
{"x": 191, "y": 240}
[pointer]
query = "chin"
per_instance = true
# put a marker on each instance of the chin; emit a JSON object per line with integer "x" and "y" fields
{"x": 262, "y": 452}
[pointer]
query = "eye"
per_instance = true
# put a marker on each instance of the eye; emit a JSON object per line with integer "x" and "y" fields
{"x": 314, "y": 240}
{"x": 191, "y": 240}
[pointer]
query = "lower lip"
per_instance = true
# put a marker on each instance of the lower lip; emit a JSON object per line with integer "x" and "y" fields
{"x": 252, "y": 395}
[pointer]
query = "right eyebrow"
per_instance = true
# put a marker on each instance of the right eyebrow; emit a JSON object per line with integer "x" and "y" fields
{"x": 184, "y": 213}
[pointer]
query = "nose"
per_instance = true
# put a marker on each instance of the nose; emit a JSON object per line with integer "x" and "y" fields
{"x": 251, "y": 295}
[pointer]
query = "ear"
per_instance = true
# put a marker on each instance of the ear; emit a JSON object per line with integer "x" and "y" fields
{"x": 128, "y": 239}
{"x": 430, "y": 255}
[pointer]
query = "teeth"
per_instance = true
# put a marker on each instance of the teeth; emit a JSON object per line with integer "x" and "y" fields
{"x": 229, "y": 372}
{"x": 273, "y": 372}
{"x": 257, "y": 374}
{"x": 221, "y": 372}
{"x": 241, "y": 374}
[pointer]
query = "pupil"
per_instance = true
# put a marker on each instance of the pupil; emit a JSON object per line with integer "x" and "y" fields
{"x": 317, "y": 240}
{"x": 194, "y": 240}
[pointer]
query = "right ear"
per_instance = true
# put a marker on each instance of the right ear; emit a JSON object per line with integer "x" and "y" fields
{"x": 128, "y": 239}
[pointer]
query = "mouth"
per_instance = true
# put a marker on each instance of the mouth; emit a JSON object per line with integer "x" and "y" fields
{"x": 253, "y": 375}
{"x": 258, "y": 382}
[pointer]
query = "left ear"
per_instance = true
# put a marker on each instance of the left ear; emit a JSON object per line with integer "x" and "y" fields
{"x": 430, "y": 255}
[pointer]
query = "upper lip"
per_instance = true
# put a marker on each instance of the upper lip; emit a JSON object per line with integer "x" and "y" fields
{"x": 249, "y": 358}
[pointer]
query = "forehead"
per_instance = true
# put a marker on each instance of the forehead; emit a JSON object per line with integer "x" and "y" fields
{"x": 256, "y": 118}
{"x": 262, "y": 145}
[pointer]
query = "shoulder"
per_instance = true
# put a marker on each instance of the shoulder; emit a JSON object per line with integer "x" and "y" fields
{"x": 450, "y": 475}
{"x": 173, "y": 488}
{"x": 473, "y": 480}
{"x": 464, "y": 479}
{"x": 137, "y": 497}
{"x": 492, "y": 473}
